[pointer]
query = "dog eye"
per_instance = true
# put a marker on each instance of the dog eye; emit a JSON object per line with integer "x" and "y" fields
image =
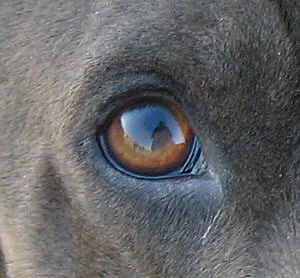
{"x": 150, "y": 138}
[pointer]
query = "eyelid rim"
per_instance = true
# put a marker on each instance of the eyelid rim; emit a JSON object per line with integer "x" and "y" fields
{"x": 148, "y": 85}
{"x": 187, "y": 169}
{"x": 127, "y": 87}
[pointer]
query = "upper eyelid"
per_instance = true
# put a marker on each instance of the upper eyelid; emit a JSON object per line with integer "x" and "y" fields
{"x": 103, "y": 95}
{"x": 131, "y": 86}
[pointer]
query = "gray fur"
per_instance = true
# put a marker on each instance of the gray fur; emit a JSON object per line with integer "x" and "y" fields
{"x": 232, "y": 66}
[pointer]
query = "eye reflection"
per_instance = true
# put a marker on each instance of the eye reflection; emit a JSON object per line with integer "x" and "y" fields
{"x": 149, "y": 137}
{"x": 152, "y": 127}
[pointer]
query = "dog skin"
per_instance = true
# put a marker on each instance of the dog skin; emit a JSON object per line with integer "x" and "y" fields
{"x": 230, "y": 66}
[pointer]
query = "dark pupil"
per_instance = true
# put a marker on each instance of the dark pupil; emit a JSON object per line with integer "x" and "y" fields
{"x": 152, "y": 127}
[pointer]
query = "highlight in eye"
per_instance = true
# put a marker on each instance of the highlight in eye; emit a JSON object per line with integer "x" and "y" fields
{"x": 149, "y": 136}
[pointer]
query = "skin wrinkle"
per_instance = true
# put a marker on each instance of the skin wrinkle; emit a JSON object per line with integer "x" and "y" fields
{"x": 230, "y": 66}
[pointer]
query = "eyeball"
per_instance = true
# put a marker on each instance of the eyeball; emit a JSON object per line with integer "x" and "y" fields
{"x": 148, "y": 136}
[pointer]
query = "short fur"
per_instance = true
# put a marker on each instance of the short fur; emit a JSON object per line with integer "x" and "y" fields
{"x": 232, "y": 67}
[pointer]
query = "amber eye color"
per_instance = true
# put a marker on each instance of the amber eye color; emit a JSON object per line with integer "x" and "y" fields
{"x": 148, "y": 137}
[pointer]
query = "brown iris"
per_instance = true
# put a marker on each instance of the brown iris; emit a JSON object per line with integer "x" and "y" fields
{"x": 149, "y": 137}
